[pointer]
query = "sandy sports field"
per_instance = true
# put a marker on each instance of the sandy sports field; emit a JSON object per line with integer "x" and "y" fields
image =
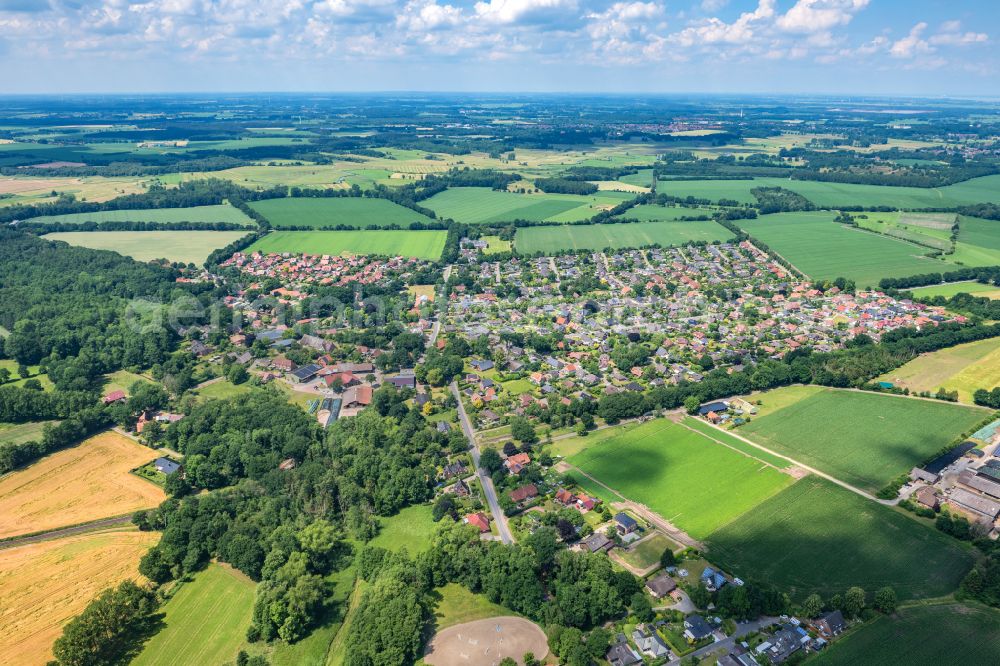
{"x": 486, "y": 642}
{"x": 43, "y": 585}
{"x": 76, "y": 485}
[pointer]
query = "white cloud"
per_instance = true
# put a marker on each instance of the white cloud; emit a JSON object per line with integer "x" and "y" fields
{"x": 808, "y": 16}
{"x": 507, "y": 12}
{"x": 714, "y": 30}
{"x": 950, "y": 34}
{"x": 912, "y": 45}
{"x": 424, "y": 15}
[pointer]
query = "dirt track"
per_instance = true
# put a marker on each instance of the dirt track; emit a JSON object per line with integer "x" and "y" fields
{"x": 486, "y": 642}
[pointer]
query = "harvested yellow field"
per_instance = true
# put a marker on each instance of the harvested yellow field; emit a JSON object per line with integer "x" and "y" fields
{"x": 616, "y": 186}
{"x": 73, "y": 486}
{"x": 44, "y": 585}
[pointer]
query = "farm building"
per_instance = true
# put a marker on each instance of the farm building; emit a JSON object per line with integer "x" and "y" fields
{"x": 357, "y": 396}
{"x": 928, "y": 497}
{"x": 717, "y": 407}
{"x": 625, "y": 523}
{"x": 979, "y": 483}
{"x": 918, "y": 474}
{"x": 976, "y": 504}
{"x": 597, "y": 542}
{"x": 305, "y": 373}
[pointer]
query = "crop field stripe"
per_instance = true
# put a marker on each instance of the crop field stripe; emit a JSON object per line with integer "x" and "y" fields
{"x": 418, "y": 244}
{"x": 331, "y": 211}
{"x": 184, "y": 246}
{"x": 600, "y": 236}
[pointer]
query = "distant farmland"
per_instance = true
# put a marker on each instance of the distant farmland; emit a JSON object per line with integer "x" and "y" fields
{"x": 818, "y": 537}
{"x": 189, "y": 247}
{"x": 651, "y": 213}
{"x": 824, "y": 249}
{"x": 865, "y": 439}
{"x": 204, "y": 214}
{"x": 978, "y": 190}
{"x": 478, "y": 205}
{"x": 599, "y": 236}
{"x": 418, "y": 244}
{"x": 359, "y": 212}
{"x": 692, "y": 481}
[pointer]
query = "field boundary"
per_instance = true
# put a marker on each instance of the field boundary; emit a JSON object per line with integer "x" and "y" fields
{"x": 70, "y": 530}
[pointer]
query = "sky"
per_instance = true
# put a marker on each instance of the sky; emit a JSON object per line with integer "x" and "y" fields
{"x": 864, "y": 47}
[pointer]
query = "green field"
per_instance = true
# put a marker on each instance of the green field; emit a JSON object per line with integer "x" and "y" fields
{"x": 865, "y": 439}
{"x": 691, "y": 481}
{"x": 412, "y": 528}
{"x": 329, "y": 212}
{"x": 818, "y": 537}
{"x": 978, "y": 190}
{"x": 952, "y": 288}
{"x": 824, "y": 249}
{"x": 18, "y": 433}
{"x": 478, "y": 205}
{"x": 497, "y": 245}
{"x": 183, "y": 246}
{"x": 206, "y": 621}
{"x": 222, "y": 390}
{"x": 978, "y": 242}
{"x": 964, "y": 368}
{"x": 652, "y": 213}
{"x": 944, "y": 633}
{"x": 213, "y": 214}
{"x": 599, "y": 236}
{"x": 418, "y": 244}
{"x": 648, "y": 551}
{"x": 456, "y": 605}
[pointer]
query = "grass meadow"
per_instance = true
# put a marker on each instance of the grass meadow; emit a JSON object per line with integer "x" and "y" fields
{"x": 864, "y": 439}
{"x": 189, "y": 247}
{"x": 412, "y": 528}
{"x": 206, "y": 620}
{"x": 653, "y": 213}
{"x": 456, "y": 605}
{"x": 478, "y": 205}
{"x": 941, "y": 633}
{"x": 599, "y": 236}
{"x": 964, "y": 368}
{"x": 418, "y": 244}
{"x": 18, "y": 433}
{"x": 818, "y": 537}
{"x": 978, "y": 190}
{"x": 695, "y": 483}
{"x": 824, "y": 249}
{"x": 952, "y": 288}
{"x": 207, "y": 214}
{"x": 358, "y": 212}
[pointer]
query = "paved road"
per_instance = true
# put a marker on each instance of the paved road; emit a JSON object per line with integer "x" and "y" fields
{"x": 727, "y": 644}
{"x": 92, "y": 526}
{"x": 491, "y": 494}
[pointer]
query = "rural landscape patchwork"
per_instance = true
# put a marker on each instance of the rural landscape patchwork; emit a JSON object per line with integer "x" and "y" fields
{"x": 501, "y": 379}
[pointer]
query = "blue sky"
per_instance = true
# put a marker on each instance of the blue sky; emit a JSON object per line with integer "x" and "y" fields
{"x": 892, "y": 47}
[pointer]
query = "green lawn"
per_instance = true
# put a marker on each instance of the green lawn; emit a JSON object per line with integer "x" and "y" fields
{"x": 944, "y": 633}
{"x": 865, "y": 439}
{"x": 818, "y": 537}
{"x": 222, "y": 390}
{"x": 122, "y": 380}
{"x": 599, "y": 236}
{"x": 824, "y": 249}
{"x": 359, "y": 212}
{"x": 824, "y": 194}
{"x": 690, "y": 480}
{"x": 952, "y": 288}
{"x": 206, "y": 621}
{"x": 18, "y": 433}
{"x": 412, "y": 528}
{"x": 183, "y": 246}
{"x": 478, "y": 205}
{"x": 963, "y": 368}
{"x": 418, "y": 244}
{"x": 648, "y": 551}
{"x": 205, "y": 214}
{"x": 496, "y": 245}
{"x": 456, "y": 605}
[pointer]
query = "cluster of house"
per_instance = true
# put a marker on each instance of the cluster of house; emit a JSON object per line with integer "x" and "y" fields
{"x": 966, "y": 479}
{"x": 722, "y": 302}
{"x": 324, "y": 269}
{"x": 737, "y": 410}
{"x": 146, "y": 416}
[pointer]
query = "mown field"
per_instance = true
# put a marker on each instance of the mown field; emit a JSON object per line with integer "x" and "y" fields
{"x": 978, "y": 242}
{"x": 978, "y": 190}
{"x": 964, "y": 368}
{"x": 189, "y": 247}
{"x": 824, "y": 249}
{"x": 456, "y": 605}
{"x": 865, "y": 439}
{"x": 477, "y": 205}
{"x": 818, "y": 537}
{"x": 412, "y": 528}
{"x": 600, "y": 236}
{"x": 44, "y": 585}
{"x": 943, "y": 633}
{"x": 86, "y": 482}
{"x": 358, "y": 212}
{"x": 205, "y": 620}
{"x": 695, "y": 483}
{"x": 952, "y": 288}
{"x": 207, "y": 214}
{"x": 18, "y": 433}
{"x": 419, "y": 244}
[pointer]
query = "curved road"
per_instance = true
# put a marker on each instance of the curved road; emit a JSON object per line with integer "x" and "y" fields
{"x": 491, "y": 494}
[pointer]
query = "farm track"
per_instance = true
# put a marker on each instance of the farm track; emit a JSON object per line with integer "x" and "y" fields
{"x": 61, "y": 532}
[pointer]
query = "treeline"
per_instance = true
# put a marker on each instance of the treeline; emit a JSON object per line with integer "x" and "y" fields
{"x": 42, "y": 228}
{"x": 130, "y": 168}
{"x": 778, "y": 200}
{"x": 984, "y": 274}
{"x": 599, "y": 173}
{"x": 79, "y": 425}
{"x": 564, "y": 186}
